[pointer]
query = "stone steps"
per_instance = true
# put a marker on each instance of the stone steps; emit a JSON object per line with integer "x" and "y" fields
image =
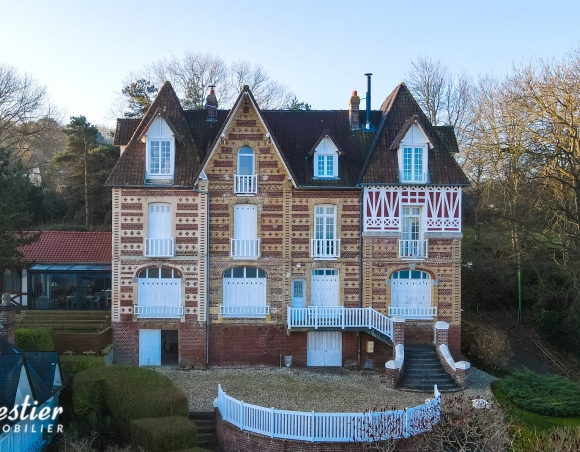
{"x": 422, "y": 371}
{"x": 206, "y": 431}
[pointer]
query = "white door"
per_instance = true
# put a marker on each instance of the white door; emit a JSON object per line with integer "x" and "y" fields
{"x": 159, "y": 221}
{"x": 298, "y": 293}
{"x": 324, "y": 288}
{"x": 410, "y": 289}
{"x": 149, "y": 347}
{"x": 324, "y": 348}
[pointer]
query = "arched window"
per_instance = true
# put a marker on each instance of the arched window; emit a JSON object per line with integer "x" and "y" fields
{"x": 159, "y": 293}
{"x": 244, "y": 293}
{"x": 411, "y": 295}
{"x": 246, "y": 180}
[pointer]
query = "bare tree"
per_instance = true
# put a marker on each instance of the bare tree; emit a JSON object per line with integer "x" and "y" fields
{"x": 192, "y": 75}
{"x": 443, "y": 96}
{"x": 23, "y": 104}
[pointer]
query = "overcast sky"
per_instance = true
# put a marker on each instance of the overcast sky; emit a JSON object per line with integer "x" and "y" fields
{"x": 82, "y": 50}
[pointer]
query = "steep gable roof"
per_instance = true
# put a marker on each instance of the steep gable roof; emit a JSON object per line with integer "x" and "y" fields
{"x": 245, "y": 94}
{"x": 11, "y": 367}
{"x": 130, "y": 168}
{"x": 46, "y": 365}
{"x": 69, "y": 247}
{"x": 382, "y": 164}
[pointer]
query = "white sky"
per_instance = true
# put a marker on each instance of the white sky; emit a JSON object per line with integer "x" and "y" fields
{"x": 83, "y": 50}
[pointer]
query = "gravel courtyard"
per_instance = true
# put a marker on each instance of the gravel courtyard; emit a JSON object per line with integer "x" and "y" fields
{"x": 326, "y": 390}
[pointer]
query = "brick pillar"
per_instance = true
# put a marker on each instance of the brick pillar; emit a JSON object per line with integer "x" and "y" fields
{"x": 8, "y": 321}
{"x": 398, "y": 330}
{"x": 461, "y": 373}
{"x": 353, "y": 111}
{"x": 441, "y": 333}
{"x": 393, "y": 374}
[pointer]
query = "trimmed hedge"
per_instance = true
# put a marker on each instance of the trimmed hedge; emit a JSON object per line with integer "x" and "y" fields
{"x": 552, "y": 396}
{"x": 163, "y": 434}
{"x": 78, "y": 363}
{"x": 34, "y": 339}
{"x": 127, "y": 393}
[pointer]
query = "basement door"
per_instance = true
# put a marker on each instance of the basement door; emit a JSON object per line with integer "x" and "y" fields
{"x": 149, "y": 347}
{"x": 324, "y": 348}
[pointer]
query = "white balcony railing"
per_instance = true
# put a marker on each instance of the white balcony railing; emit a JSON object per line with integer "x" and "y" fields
{"x": 244, "y": 311}
{"x": 158, "y": 312}
{"x": 413, "y": 249}
{"x": 159, "y": 247}
{"x": 246, "y": 184}
{"x": 245, "y": 248}
{"x": 413, "y": 312}
{"x": 318, "y": 317}
{"x": 325, "y": 248}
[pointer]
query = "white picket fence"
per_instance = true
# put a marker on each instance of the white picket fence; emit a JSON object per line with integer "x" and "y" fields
{"x": 339, "y": 317}
{"x": 330, "y": 427}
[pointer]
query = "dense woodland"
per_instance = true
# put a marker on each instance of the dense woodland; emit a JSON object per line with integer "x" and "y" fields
{"x": 518, "y": 135}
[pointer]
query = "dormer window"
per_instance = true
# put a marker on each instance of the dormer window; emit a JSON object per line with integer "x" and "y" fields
{"x": 160, "y": 150}
{"x": 413, "y": 148}
{"x": 326, "y": 160}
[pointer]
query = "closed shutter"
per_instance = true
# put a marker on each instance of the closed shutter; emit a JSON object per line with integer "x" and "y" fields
{"x": 324, "y": 288}
{"x": 245, "y": 220}
{"x": 324, "y": 348}
{"x": 159, "y": 221}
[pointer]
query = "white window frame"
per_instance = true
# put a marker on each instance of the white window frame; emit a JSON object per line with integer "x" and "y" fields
{"x": 413, "y": 244}
{"x": 414, "y": 174}
{"x": 159, "y": 137}
{"x": 246, "y": 183}
{"x": 161, "y": 243}
{"x": 248, "y": 309}
{"x": 326, "y": 160}
{"x": 148, "y": 307}
{"x": 413, "y": 310}
{"x": 325, "y": 245}
{"x": 245, "y": 245}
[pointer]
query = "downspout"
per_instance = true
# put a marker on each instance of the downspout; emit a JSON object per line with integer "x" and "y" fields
{"x": 360, "y": 267}
{"x": 206, "y": 277}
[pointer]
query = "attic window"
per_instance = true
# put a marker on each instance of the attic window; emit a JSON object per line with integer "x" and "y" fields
{"x": 326, "y": 160}
{"x": 160, "y": 150}
{"x": 413, "y": 151}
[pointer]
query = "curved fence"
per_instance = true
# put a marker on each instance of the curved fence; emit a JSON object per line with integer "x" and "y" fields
{"x": 330, "y": 427}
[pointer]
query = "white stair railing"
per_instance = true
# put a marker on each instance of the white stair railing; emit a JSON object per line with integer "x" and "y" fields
{"x": 339, "y": 317}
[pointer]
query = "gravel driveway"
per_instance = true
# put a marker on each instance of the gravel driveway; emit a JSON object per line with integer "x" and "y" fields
{"x": 322, "y": 390}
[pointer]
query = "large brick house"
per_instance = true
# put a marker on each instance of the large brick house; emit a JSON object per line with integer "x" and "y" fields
{"x": 241, "y": 237}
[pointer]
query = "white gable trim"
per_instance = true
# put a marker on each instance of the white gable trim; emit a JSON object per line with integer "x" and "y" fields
{"x": 268, "y": 135}
{"x": 416, "y": 135}
{"x": 24, "y": 388}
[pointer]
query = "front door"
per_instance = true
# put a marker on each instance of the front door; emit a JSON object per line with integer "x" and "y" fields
{"x": 324, "y": 288}
{"x": 324, "y": 348}
{"x": 149, "y": 347}
{"x": 298, "y": 293}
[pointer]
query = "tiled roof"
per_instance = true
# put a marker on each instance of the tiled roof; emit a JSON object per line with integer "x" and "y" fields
{"x": 45, "y": 364}
{"x": 70, "y": 247}
{"x": 365, "y": 157}
{"x": 10, "y": 369}
{"x": 130, "y": 168}
{"x": 125, "y": 129}
{"x": 382, "y": 163}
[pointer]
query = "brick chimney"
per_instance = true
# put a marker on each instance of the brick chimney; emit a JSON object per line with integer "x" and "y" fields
{"x": 353, "y": 111}
{"x": 7, "y": 319}
{"x": 211, "y": 105}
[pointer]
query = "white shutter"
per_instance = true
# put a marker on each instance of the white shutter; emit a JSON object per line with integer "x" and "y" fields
{"x": 324, "y": 290}
{"x": 245, "y": 222}
{"x": 159, "y": 221}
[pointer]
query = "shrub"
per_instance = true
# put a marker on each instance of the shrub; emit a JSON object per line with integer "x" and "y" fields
{"x": 127, "y": 393}
{"x": 559, "y": 439}
{"x": 164, "y": 433}
{"x": 35, "y": 339}
{"x": 487, "y": 346}
{"x": 75, "y": 364}
{"x": 552, "y": 396}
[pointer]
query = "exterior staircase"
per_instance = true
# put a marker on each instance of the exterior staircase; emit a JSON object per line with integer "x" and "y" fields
{"x": 206, "y": 433}
{"x": 422, "y": 370}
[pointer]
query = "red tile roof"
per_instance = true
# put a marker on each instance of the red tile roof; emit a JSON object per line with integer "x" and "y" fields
{"x": 70, "y": 247}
